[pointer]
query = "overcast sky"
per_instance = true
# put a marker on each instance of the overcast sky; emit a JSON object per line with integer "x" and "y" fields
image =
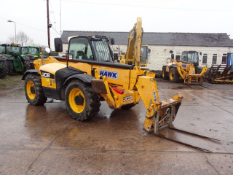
{"x": 192, "y": 16}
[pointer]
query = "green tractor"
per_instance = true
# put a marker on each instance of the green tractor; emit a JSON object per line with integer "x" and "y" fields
{"x": 31, "y": 52}
{"x": 16, "y": 62}
{"x": 3, "y": 63}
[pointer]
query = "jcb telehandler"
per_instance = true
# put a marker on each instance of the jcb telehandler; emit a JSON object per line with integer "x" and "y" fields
{"x": 88, "y": 75}
{"x": 187, "y": 69}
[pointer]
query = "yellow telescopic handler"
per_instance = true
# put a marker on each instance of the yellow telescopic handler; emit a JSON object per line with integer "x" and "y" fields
{"x": 88, "y": 75}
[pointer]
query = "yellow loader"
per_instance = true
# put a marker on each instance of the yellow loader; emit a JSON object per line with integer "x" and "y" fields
{"x": 187, "y": 69}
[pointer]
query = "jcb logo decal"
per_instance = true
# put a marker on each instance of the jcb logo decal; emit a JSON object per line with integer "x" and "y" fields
{"x": 129, "y": 98}
{"x": 46, "y": 75}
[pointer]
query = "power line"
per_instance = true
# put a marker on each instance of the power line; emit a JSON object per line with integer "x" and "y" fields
{"x": 137, "y": 6}
{"x": 25, "y": 25}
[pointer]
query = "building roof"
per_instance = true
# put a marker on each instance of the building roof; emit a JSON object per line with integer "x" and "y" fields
{"x": 154, "y": 38}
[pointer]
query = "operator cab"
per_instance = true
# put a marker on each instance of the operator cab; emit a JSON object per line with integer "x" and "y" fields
{"x": 94, "y": 48}
{"x": 13, "y": 49}
{"x": 190, "y": 57}
{"x": 144, "y": 55}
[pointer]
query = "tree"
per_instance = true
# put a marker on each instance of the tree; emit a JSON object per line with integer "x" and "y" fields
{"x": 21, "y": 38}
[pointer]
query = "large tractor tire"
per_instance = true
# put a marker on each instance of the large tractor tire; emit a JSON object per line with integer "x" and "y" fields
{"x": 10, "y": 67}
{"x": 3, "y": 69}
{"x": 173, "y": 75}
{"x": 164, "y": 73}
{"x": 128, "y": 106}
{"x": 34, "y": 91}
{"x": 81, "y": 101}
{"x": 27, "y": 66}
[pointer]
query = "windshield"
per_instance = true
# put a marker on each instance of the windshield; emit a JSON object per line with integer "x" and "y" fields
{"x": 143, "y": 54}
{"x": 13, "y": 50}
{"x": 2, "y": 50}
{"x": 24, "y": 50}
{"x": 192, "y": 57}
{"x": 33, "y": 51}
{"x": 102, "y": 51}
{"x": 189, "y": 57}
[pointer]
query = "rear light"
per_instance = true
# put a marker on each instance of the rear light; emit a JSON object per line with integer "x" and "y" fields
{"x": 8, "y": 55}
{"x": 0, "y": 55}
{"x": 119, "y": 91}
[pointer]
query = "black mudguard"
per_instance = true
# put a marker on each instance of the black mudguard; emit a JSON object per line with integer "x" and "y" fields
{"x": 83, "y": 77}
{"x": 30, "y": 71}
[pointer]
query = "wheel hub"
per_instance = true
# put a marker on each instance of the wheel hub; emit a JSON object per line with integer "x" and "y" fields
{"x": 32, "y": 89}
{"x": 79, "y": 100}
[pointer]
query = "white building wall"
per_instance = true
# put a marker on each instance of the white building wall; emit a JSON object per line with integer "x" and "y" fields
{"x": 159, "y": 54}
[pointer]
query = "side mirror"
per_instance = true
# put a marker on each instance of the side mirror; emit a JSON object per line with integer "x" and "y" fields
{"x": 172, "y": 56}
{"x": 112, "y": 41}
{"x": 58, "y": 45}
{"x": 149, "y": 50}
{"x": 47, "y": 50}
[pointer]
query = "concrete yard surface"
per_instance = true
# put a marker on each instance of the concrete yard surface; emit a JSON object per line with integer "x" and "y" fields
{"x": 47, "y": 140}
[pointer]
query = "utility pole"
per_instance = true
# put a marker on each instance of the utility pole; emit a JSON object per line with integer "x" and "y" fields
{"x": 48, "y": 25}
{"x": 60, "y": 17}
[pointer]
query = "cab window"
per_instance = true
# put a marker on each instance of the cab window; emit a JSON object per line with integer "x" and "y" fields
{"x": 80, "y": 49}
{"x": 24, "y": 50}
{"x": 184, "y": 57}
{"x": 33, "y": 51}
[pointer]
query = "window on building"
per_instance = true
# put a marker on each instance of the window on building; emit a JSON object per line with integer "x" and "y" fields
{"x": 177, "y": 57}
{"x": 214, "y": 60}
{"x": 224, "y": 59}
{"x": 204, "y": 59}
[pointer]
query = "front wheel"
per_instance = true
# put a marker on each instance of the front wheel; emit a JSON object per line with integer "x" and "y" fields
{"x": 34, "y": 91}
{"x": 173, "y": 75}
{"x": 81, "y": 101}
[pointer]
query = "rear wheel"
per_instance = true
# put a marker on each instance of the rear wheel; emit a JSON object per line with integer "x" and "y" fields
{"x": 81, "y": 101}
{"x": 173, "y": 75}
{"x": 164, "y": 73}
{"x": 10, "y": 67}
{"x": 33, "y": 90}
{"x": 3, "y": 69}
